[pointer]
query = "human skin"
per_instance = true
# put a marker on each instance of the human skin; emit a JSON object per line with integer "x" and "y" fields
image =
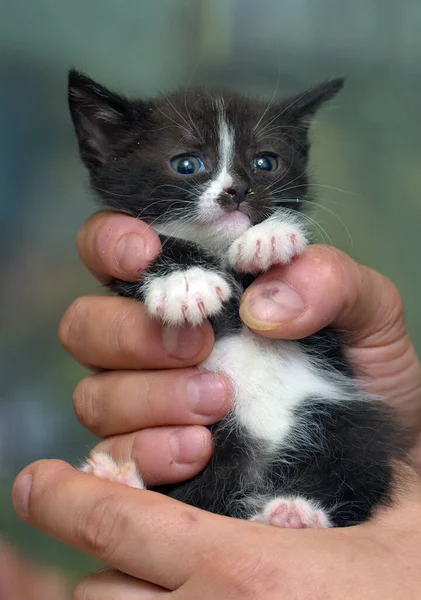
{"x": 19, "y": 578}
{"x": 147, "y": 413}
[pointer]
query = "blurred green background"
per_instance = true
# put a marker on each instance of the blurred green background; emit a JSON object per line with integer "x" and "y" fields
{"x": 366, "y": 158}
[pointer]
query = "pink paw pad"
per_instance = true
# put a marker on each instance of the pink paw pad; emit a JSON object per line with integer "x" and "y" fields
{"x": 103, "y": 466}
{"x": 292, "y": 513}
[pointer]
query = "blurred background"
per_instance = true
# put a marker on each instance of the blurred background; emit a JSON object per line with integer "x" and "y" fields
{"x": 366, "y": 157}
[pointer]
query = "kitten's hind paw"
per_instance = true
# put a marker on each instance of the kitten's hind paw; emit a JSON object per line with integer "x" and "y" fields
{"x": 292, "y": 513}
{"x": 104, "y": 467}
{"x": 188, "y": 296}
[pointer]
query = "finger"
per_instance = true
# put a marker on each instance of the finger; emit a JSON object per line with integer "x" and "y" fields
{"x": 322, "y": 287}
{"x": 163, "y": 454}
{"x": 149, "y": 399}
{"x": 109, "y": 585}
{"x": 144, "y": 534}
{"x": 117, "y": 333}
{"x": 116, "y": 245}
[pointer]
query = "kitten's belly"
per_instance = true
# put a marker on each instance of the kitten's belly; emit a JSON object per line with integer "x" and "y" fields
{"x": 270, "y": 379}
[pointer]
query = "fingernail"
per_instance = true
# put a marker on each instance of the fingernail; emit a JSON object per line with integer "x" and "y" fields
{"x": 188, "y": 445}
{"x": 130, "y": 253}
{"x": 21, "y": 492}
{"x": 182, "y": 342}
{"x": 269, "y": 305}
{"x": 206, "y": 394}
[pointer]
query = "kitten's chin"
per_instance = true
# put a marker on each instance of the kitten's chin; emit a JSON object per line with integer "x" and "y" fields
{"x": 219, "y": 234}
{"x": 232, "y": 223}
{"x": 215, "y": 234}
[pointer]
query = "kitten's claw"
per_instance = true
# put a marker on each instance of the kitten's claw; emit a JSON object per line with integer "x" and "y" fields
{"x": 188, "y": 296}
{"x": 202, "y": 309}
{"x": 292, "y": 513}
{"x": 104, "y": 467}
{"x": 267, "y": 244}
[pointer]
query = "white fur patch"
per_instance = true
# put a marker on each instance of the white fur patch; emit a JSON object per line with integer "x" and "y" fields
{"x": 272, "y": 242}
{"x": 212, "y": 228}
{"x": 104, "y": 467}
{"x": 292, "y": 512}
{"x": 188, "y": 296}
{"x": 208, "y": 205}
{"x": 270, "y": 379}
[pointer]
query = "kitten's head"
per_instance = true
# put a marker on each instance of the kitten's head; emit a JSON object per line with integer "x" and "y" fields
{"x": 201, "y": 165}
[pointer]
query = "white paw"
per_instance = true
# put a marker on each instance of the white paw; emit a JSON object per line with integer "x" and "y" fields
{"x": 188, "y": 296}
{"x": 292, "y": 513}
{"x": 267, "y": 244}
{"x": 103, "y": 466}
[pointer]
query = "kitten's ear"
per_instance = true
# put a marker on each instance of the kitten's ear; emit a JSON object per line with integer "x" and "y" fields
{"x": 299, "y": 110}
{"x": 100, "y": 117}
{"x": 304, "y": 105}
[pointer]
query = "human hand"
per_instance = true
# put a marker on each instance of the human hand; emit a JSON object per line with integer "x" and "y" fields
{"x": 166, "y": 548}
{"x": 156, "y": 416}
{"x": 20, "y": 578}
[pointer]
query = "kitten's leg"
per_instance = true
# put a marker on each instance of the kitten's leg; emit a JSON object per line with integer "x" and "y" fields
{"x": 103, "y": 466}
{"x": 293, "y": 513}
{"x": 273, "y": 242}
{"x": 184, "y": 285}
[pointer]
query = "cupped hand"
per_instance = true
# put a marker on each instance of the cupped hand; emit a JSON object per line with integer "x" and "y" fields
{"x": 152, "y": 404}
{"x": 166, "y": 548}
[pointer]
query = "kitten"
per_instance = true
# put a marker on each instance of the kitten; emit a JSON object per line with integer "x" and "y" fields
{"x": 222, "y": 179}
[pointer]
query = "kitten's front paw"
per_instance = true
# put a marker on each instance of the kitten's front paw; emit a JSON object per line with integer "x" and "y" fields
{"x": 267, "y": 244}
{"x": 104, "y": 467}
{"x": 188, "y": 296}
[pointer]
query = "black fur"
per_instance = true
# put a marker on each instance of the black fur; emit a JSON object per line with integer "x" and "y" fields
{"x": 340, "y": 454}
{"x": 344, "y": 462}
{"x": 126, "y": 145}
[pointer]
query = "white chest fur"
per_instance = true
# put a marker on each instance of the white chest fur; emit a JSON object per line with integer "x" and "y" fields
{"x": 270, "y": 379}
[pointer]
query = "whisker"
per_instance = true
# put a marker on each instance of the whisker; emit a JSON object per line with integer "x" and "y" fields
{"x": 255, "y": 128}
{"x": 332, "y": 212}
{"x": 282, "y": 176}
{"x": 188, "y": 131}
{"x": 286, "y": 108}
{"x": 177, "y": 112}
{"x": 306, "y": 216}
{"x": 108, "y": 192}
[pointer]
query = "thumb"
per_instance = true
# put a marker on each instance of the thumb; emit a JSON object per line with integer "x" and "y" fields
{"x": 144, "y": 534}
{"x": 323, "y": 287}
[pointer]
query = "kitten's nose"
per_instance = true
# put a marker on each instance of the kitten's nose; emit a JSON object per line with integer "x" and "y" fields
{"x": 238, "y": 193}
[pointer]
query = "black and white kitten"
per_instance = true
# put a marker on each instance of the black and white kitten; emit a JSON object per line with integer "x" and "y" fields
{"x": 222, "y": 178}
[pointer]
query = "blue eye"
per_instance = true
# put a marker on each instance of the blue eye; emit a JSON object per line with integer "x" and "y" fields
{"x": 265, "y": 162}
{"x": 187, "y": 165}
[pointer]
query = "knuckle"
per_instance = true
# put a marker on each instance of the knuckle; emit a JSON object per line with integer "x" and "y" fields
{"x": 250, "y": 577}
{"x": 83, "y": 591}
{"x": 86, "y": 403}
{"x": 389, "y": 314}
{"x": 147, "y": 398}
{"x": 333, "y": 265}
{"x": 395, "y": 299}
{"x": 124, "y": 336}
{"x": 103, "y": 528}
{"x": 72, "y": 323}
{"x": 86, "y": 233}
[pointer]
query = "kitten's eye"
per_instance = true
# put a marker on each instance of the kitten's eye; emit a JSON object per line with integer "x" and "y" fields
{"x": 265, "y": 162}
{"x": 187, "y": 165}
